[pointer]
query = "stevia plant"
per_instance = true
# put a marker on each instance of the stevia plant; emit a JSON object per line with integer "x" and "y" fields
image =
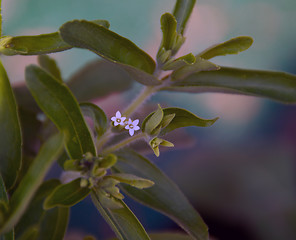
{"x": 53, "y": 112}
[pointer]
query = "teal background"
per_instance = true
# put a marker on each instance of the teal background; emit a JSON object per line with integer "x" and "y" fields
{"x": 240, "y": 173}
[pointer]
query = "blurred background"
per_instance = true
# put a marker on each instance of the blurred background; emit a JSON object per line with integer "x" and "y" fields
{"x": 240, "y": 174}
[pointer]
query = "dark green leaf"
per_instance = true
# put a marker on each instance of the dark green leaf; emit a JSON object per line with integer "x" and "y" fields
{"x": 85, "y": 34}
{"x": 163, "y": 196}
{"x": 4, "y": 200}
{"x": 39, "y": 44}
{"x": 66, "y": 195}
{"x": 232, "y": 46}
{"x": 10, "y": 132}
{"x": 182, "y": 12}
{"x": 132, "y": 180}
{"x": 54, "y": 224}
{"x": 175, "y": 64}
{"x": 58, "y": 103}
{"x": 199, "y": 66}
{"x": 111, "y": 46}
{"x": 152, "y": 121}
{"x": 24, "y": 98}
{"x": 97, "y": 115}
{"x": 32, "y": 180}
{"x": 122, "y": 220}
{"x": 50, "y": 65}
{"x": 169, "y": 236}
{"x": 30, "y": 234}
{"x": 275, "y": 85}
{"x": 99, "y": 79}
{"x": 34, "y": 212}
{"x": 184, "y": 118}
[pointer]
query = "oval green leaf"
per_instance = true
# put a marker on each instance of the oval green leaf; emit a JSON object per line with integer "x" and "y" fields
{"x": 54, "y": 224}
{"x": 38, "y": 44}
{"x": 152, "y": 121}
{"x": 97, "y": 115}
{"x": 175, "y": 64}
{"x": 132, "y": 180}
{"x": 182, "y": 12}
{"x": 122, "y": 220}
{"x": 58, "y": 103}
{"x": 97, "y": 79}
{"x": 278, "y": 86}
{"x": 112, "y": 47}
{"x": 232, "y": 46}
{"x": 168, "y": 26}
{"x": 25, "y": 191}
{"x": 66, "y": 195}
{"x": 10, "y": 132}
{"x": 50, "y": 65}
{"x": 163, "y": 196}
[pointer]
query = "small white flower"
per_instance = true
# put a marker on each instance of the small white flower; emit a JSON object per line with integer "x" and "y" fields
{"x": 131, "y": 126}
{"x": 118, "y": 120}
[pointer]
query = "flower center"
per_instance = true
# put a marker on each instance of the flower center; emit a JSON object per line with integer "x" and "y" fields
{"x": 118, "y": 120}
{"x": 131, "y": 126}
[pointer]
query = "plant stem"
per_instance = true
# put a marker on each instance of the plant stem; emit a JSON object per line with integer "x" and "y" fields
{"x": 123, "y": 143}
{"x": 0, "y": 18}
{"x": 147, "y": 92}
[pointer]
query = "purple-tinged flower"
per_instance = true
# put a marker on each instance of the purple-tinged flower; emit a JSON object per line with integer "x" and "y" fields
{"x": 131, "y": 126}
{"x": 118, "y": 120}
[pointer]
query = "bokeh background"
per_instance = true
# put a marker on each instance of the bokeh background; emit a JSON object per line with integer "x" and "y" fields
{"x": 240, "y": 174}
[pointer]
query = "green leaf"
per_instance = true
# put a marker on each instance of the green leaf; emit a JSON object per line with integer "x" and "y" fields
{"x": 30, "y": 234}
{"x": 38, "y": 44}
{"x": 66, "y": 195}
{"x": 50, "y": 65}
{"x": 278, "y": 86}
{"x": 112, "y": 47}
{"x": 132, "y": 180}
{"x": 184, "y": 118}
{"x": 97, "y": 115}
{"x": 24, "y": 98}
{"x": 58, "y": 103}
{"x": 232, "y": 46}
{"x": 54, "y": 224}
{"x": 122, "y": 220}
{"x": 175, "y": 64}
{"x": 10, "y": 132}
{"x": 182, "y": 12}
{"x": 152, "y": 121}
{"x": 98, "y": 79}
{"x": 163, "y": 196}
{"x": 34, "y": 212}
{"x": 4, "y": 199}
{"x": 32, "y": 180}
{"x": 168, "y": 26}
{"x": 199, "y": 66}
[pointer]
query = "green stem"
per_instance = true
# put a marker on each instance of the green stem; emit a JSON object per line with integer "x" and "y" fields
{"x": 123, "y": 143}
{"x": 0, "y": 18}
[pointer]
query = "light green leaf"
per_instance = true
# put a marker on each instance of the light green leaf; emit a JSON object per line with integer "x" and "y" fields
{"x": 163, "y": 196}
{"x": 38, "y": 44}
{"x": 58, "y": 103}
{"x": 54, "y": 224}
{"x": 66, "y": 195}
{"x": 4, "y": 200}
{"x": 132, "y": 180}
{"x": 278, "y": 86}
{"x": 32, "y": 180}
{"x": 122, "y": 220}
{"x": 168, "y": 26}
{"x": 97, "y": 115}
{"x": 199, "y": 65}
{"x": 34, "y": 212}
{"x": 50, "y": 65}
{"x": 232, "y": 46}
{"x": 152, "y": 121}
{"x": 175, "y": 64}
{"x": 112, "y": 47}
{"x": 182, "y": 12}
{"x": 184, "y": 118}
{"x": 98, "y": 79}
{"x": 10, "y": 132}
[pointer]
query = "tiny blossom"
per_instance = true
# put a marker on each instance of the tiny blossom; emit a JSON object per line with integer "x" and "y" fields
{"x": 118, "y": 120}
{"x": 131, "y": 126}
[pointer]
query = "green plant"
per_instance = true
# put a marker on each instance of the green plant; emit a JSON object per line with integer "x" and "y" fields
{"x": 98, "y": 152}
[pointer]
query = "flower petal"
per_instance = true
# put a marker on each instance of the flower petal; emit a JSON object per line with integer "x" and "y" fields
{"x": 131, "y": 132}
{"x": 118, "y": 114}
{"x": 116, "y": 123}
{"x": 113, "y": 119}
{"x": 136, "y": 128}
{"x": 127, "y": 127}
{"x": 136, "y": 122}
